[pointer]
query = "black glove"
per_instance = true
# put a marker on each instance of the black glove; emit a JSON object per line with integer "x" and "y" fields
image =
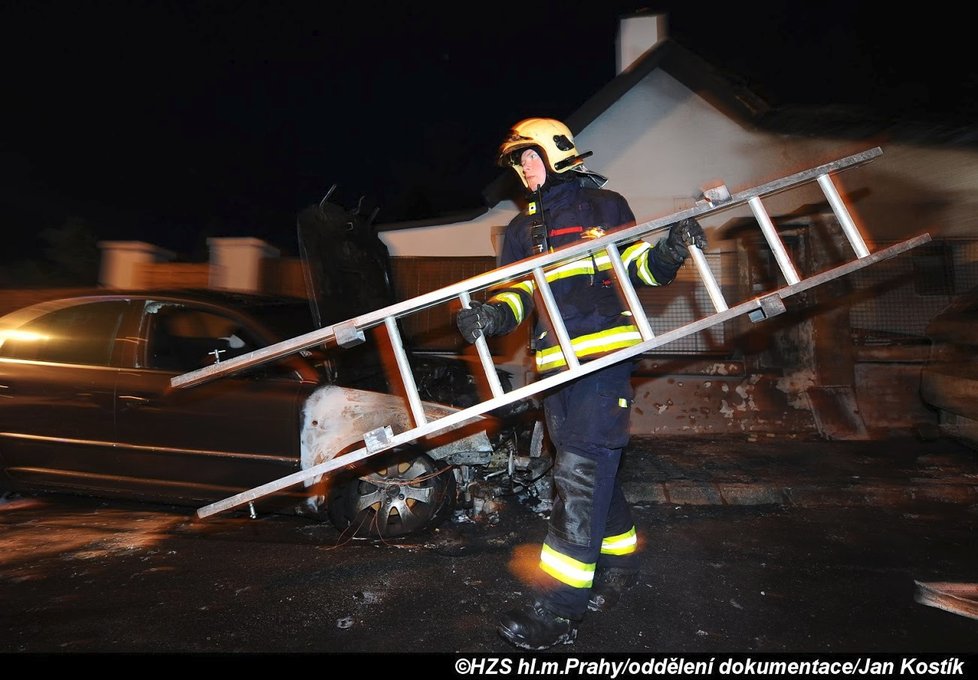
{"x": 674, "y": 249}
{"x": 479, "y": 319}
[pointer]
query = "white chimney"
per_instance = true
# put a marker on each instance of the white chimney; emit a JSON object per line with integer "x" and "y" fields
{"x": 637, "y": 34}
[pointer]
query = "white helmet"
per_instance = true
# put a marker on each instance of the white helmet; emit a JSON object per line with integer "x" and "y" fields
{"x": 550, "y": 137}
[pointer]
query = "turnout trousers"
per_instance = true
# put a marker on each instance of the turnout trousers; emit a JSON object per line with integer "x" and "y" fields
{"x": 591, "y": 525}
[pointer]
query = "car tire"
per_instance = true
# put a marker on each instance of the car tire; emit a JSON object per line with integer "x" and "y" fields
{"x": 399, "y": 496}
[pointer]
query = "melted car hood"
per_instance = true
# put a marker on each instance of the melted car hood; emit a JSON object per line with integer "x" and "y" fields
{"x": 336, "y": 418}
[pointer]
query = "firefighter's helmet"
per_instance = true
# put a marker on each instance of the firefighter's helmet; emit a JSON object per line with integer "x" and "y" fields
{"x": 550, "y": 137}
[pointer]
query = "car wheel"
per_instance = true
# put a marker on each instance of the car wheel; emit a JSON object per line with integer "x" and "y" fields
{"x": 398, "y": 497}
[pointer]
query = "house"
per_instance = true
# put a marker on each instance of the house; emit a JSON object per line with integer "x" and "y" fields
{"x": 844, "y": 361}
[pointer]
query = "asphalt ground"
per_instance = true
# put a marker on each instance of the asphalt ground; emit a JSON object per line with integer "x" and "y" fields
{"x": 766, "y": 547}
{"x": 800, "y": 472}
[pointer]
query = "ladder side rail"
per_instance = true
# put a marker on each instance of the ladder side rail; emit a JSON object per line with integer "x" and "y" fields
{"x": 513, "y": 271}
{"x": 842, "y": 214}
{"x": 774, "y": 241}
{"x": 872, "y": 258}
{"x": 556, "y": 320}
{"x": 629, "y": 234}
{"x": 485, "y": 357}
{"x": 628, "y": 290}
{"x": 709, "y": 281}
{"x": 463, "y": 416}
{"x": 479, "y": 282}
{"x": 256, "y": 357}
{"x": 407, "y": 375}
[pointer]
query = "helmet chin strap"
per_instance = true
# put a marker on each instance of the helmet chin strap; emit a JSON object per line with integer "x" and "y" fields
{"x": 572, "y": 161}
{"x": 599, "y": 180}
{"x": 576, "y": 164}
{"x": 580, "y": 173}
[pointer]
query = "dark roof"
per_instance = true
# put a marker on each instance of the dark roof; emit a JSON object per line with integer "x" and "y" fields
{"x": 848, "y": 122}
{"x": 698, "y": 75}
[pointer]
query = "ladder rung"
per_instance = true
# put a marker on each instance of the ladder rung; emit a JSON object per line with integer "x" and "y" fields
{"x": 628, "y": 290}
{"x": 709, "y": 281}
{"x": 553, "y": 315}
{"x": 773, "y": 240}
{"x": 407, "y": 375}
{"x": 485, "y": 357}
{"x": 842, "y": 214}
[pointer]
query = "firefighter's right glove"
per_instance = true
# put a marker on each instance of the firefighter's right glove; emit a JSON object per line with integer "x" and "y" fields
{"x": 478, "y": 320}
{"x": 674, "y": 249}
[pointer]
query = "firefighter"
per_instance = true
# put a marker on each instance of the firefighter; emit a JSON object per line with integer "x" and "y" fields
{"x": 588, "y": 557}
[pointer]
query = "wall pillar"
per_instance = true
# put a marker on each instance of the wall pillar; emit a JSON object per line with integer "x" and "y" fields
{"x": 236, "y": 262}
{"x": 121, "y": 260}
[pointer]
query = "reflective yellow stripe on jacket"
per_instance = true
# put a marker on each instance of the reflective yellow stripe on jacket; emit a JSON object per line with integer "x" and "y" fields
{"x": 589, "y": 345}
{"x": 637, "y": 254}
{"x": 513, "y": 299}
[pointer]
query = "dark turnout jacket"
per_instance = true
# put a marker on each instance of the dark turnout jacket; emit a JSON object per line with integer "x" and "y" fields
{"x": 596, "y": 319}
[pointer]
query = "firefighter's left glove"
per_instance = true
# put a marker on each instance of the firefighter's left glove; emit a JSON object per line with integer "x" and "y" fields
{"x": 479, "y": 319}
{"x": 684, "y": 233}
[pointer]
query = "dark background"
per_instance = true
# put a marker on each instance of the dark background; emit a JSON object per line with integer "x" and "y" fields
{"x": 173, "y": 121}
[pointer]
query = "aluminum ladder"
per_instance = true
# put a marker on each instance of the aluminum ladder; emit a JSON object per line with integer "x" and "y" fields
{"x": 351, "y": 332}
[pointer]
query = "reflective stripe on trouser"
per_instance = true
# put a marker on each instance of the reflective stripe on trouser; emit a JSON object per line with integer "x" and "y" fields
{"x": 591, "y": 524}
{"x": 622, "y": 544}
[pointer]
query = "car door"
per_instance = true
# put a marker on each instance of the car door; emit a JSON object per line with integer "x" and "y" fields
{"x": 58, "y": 368}
{"x": 215, "y": 439}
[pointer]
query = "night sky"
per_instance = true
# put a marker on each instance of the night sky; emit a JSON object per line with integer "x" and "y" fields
{"x": 173, "y": 121}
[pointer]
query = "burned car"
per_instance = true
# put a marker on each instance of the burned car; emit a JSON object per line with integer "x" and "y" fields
{"x": 87, "y": 408}
{"x": 88, "y": 405}
{"x": 949, "y": 379}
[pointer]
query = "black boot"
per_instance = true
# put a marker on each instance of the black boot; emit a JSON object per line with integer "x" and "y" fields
{"x": 609, "y": 584}
{"x": 536, "y": 627}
